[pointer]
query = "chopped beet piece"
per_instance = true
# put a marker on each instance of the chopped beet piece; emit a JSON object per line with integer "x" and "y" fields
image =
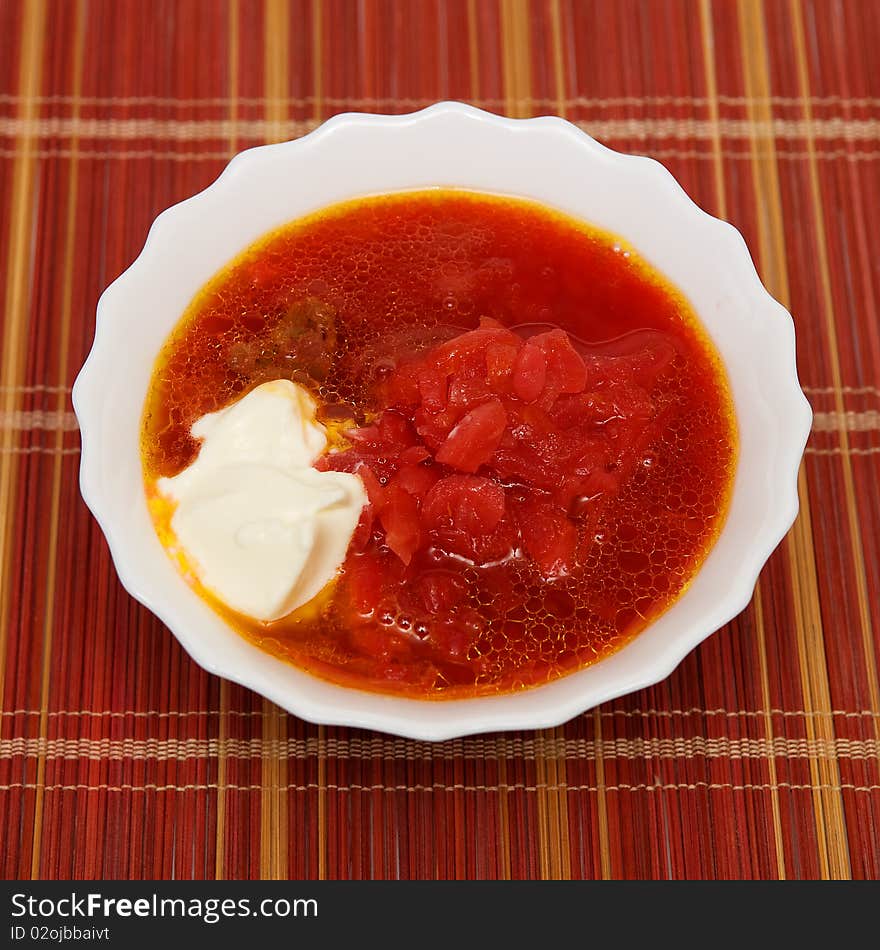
{"x": 465, "y": 502}
{"x": 468, "y": 391}
{"x": 474, "y": 439}
{"x": 374, "y": 489}
{"x": 363, "y": 576}
{"x": 498, "y": 545}
{"x": 435, "y": 427}
{"x": 413, "y": 455}
{"x": 400, "y": 386}
{"x": 364, "y": 530}
{"x": 471, "y": 346}
{"x": 500, "y": 358}
{"x": 549, "y": 536}
{"x": 529, "y": 373}
{"x": 566, "y": 369}
{"x": 415, "y": 479}
{"x": 395, "y": 431}
{"x": 433, "y": 389}
{"x": 440, "y": 590}
{"x": 399, "y": 515}
{"x": 366, "y": 435}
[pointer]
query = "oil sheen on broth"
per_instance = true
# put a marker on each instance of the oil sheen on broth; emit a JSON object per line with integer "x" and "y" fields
{"x": 581, "y": 500}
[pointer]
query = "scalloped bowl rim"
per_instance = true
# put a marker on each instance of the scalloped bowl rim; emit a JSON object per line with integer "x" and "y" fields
{"x": 771, "y": 408}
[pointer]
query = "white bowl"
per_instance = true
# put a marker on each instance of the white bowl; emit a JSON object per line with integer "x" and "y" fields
{"x": 448, "y": 144}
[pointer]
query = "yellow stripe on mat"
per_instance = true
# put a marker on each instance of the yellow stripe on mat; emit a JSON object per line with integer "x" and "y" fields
{"x": 223, "y": 716}
{"x": 57, "y": 466}
{"x": 552, "y": 803}
{"x": 708, "y": 40}
{"x": 17, "y": 299}
{"x": 274, "y": 799}
{"x": 317, "y": 115}
{"x": 827, "y": 802}
{"x": 844, "y": 421}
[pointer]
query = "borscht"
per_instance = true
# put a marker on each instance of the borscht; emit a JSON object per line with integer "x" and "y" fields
{"x": 542, "y": 429}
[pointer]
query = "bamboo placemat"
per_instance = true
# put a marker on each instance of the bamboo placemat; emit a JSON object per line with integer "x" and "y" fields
{"x": 119, "y": 757}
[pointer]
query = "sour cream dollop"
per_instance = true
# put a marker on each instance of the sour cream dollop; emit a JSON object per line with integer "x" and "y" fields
{"x": 263, "y": 530}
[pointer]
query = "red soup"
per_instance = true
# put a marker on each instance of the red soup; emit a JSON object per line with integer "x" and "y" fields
{"x": 544, "y": 431}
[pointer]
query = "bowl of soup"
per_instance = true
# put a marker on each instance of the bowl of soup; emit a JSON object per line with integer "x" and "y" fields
{"x": 441, "y": 423}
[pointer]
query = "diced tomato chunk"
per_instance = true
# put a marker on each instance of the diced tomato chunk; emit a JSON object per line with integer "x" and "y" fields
{"x": 390, "y": 431}
{"x": 372, "y": 485}
{"x": 464, "y": 502}
{"x": 440, "y": 590}
{"x": 364, "y": 530}
{"x": 433, "y": 388}
{"x": 474, "y": 439}
{"x": 395, "y": 431}
{"x": 399, "y": 515}
{"x": 549, "y": 536}
{"x": 468, "y": 391}
{"x": 498, "y": 545}
{"x": 413, "y": 455}
{"x": 365, "y": 435}
{"x": 579, "y": 409}
{"x": 565, "y": 366}
{"x": 463, "y": 349}
{"x": 529, "y": 373}
{"x": 500, "y": 358}
{"x": 434, "y": 427}
{"x": 363, "y": 578}
{"x": 401, "y": 387}
{"x": 415, "y": 479}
